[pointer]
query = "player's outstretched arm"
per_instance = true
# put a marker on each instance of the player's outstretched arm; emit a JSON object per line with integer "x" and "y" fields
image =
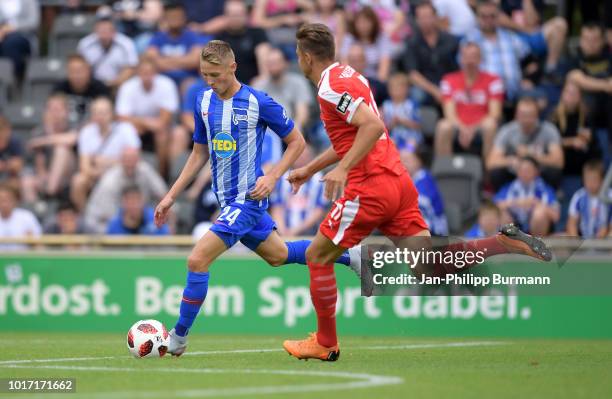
{"x": 299, "y": 176}
{"x": 295, "y": 146}
{"x": 369, "y": 129}
{"x": 197, "y": 159}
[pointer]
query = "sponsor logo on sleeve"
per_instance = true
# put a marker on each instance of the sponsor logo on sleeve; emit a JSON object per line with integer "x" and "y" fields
{"x": 345, "y": 101}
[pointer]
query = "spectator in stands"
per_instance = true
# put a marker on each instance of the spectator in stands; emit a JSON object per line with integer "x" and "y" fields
{"x": 80, "y": 88}
{"x": 299, "y": 214}
{"x": 250, "y": 44}
{"x": 326, "y": 12}
{"x": 429, "y": 55}
{"x": 472, "y": 102}
{"x": 280, "y": 19}
{"x": 14, "y": 221}
{"x": 545, "y": 39}
{"x": 526, "y": 136}
{"x": 100, "y": 145}
{"x": 367, "y": 31}
{"x": 53, "y": 146}
{"x": 135, "y": 216}
{"x": 111, "y": 55}
{"x": 572, "y": 119}
{"x": 589, "y": 216}
{"x": 12, "y": 156}
{"x": 456, "y": 16}
{"x": 356, "y": 58}
{"x": 138, "y": 19}
{"x": 430, "y": 199}
{"x": 19, "y": 21}
{"x": 528, "y": 201}
{"x": 592, "y": 73}
{"x": 390, "y": 13}
{"x": 401, "y": 114}
{"x": 66, "y": 220}
{"x": 148, "y": 101}
{"x": 103, "y": 203}
{"x": 205, "y": 16}
{"x": 175, "y": 50}
{"x": 489, "y": 221}
{"x": 289, "y": 89}
{"x": 502, "y": 49}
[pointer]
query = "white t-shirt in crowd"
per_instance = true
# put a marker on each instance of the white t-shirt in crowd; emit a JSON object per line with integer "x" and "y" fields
{"x": 123, "y": 135}
{"x": 21, "y": 223}
{"x": 107, "y": 64}
{"x": 460, "y": 16}
{"x": 134, "y": 100}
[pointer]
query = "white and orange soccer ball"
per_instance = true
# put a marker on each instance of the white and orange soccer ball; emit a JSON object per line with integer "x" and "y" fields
{"x": 147, "y": 339}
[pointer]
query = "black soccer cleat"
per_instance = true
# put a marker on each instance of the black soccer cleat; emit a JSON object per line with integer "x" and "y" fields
{"x": 519, "y": 242}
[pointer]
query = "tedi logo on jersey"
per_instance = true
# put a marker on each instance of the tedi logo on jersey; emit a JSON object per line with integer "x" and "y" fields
{"x": 239, "y": 114}
{"x": 224, "y": 145}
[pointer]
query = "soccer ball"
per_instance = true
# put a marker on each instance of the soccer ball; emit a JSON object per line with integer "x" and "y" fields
{"x": 147, "y": 339}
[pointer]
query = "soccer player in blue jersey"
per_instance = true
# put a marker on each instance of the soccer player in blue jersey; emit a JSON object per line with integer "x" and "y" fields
{"x": 230, "y": 122}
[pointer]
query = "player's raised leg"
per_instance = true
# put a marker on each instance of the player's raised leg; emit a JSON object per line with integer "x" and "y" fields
{"x": 323, "y": 344}
{"x": 206, "y": 250}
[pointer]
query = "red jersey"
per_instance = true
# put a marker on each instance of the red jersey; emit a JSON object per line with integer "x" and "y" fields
{"x": 341, "y": 90}
{"x": 471, "y": 103}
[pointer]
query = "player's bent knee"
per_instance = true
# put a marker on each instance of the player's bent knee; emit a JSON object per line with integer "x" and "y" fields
{"x": 197, "y": 263}
{"x": 276, "y": 261}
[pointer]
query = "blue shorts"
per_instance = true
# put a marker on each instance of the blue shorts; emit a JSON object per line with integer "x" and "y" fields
{"x": 535, "y": 41}
{"x": 248, "y": 222}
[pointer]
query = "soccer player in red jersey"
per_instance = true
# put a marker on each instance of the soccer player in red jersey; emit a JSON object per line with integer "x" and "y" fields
{"x": 370, "y": 187}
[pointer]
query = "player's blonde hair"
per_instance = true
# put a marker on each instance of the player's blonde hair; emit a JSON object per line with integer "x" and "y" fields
{"x": 217, "y": 52}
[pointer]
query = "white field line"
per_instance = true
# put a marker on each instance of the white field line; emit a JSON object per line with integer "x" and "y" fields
{"x": 266, "y": 350}
{"x": 360, "y": 380}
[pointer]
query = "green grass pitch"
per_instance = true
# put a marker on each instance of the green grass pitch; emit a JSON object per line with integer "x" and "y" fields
{"x": 255, "y": 366}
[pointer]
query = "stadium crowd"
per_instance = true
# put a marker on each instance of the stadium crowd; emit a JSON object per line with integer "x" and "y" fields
{"x": 511, "y": 86}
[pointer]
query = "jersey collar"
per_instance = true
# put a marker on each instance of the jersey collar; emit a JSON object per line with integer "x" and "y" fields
{"x": 326, "y": 70}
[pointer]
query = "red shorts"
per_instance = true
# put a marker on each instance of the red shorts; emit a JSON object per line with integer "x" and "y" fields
{"x": 385, "y": 202}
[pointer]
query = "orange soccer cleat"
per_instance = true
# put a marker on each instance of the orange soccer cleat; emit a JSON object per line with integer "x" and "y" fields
{"x": 518, "y": 242}
{"x": 309, "y": 348}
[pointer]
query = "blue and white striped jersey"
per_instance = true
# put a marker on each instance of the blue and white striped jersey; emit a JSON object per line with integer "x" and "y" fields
{"x": 430, "y": 202}
{"x": 517, "y": 190}
{"x": 299, "y": 206}
{"x": 592, "y": 213}
{"x": 234, "y": 131}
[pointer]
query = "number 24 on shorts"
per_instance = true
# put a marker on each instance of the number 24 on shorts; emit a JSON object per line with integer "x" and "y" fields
{"x": 228, "y": 215}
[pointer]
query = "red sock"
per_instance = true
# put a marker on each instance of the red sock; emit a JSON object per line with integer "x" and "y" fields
{"x": 487, "y": 246}
{"x": 324, "y": 293}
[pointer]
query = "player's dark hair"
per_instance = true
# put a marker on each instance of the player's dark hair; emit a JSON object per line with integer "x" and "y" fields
{"x": 594, "y": 165}
{"x": 316, "y": 40}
